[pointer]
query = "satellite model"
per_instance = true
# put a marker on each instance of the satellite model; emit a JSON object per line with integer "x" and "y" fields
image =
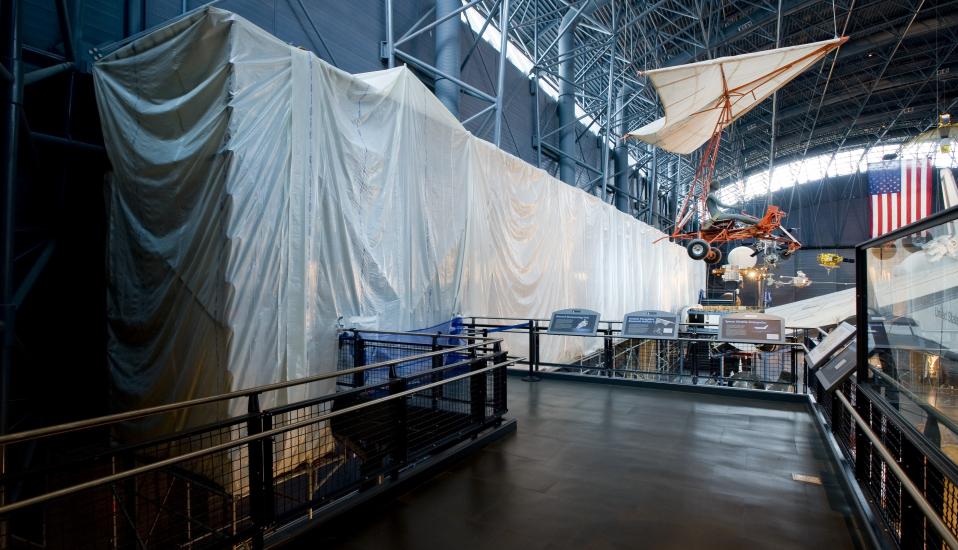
{"x": 700, "y": 100}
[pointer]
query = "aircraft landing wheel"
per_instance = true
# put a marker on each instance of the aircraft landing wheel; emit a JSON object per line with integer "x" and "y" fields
{"x": 714, "y": 256}
{"x": 698, "y": 249}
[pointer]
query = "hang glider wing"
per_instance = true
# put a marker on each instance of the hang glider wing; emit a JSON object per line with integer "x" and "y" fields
{"x": 702, "y": 98}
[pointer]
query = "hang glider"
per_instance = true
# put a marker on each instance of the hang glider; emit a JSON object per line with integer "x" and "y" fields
{"x": 703, "y": 98}
{"x": 700, "y": 100}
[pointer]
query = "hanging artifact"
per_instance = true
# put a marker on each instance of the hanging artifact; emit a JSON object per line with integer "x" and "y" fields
{"x": 829, "y": 260}
{"x": 699, "y": 101}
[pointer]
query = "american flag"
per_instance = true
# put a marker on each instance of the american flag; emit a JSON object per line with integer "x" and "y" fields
{"x": 900, "y": 193}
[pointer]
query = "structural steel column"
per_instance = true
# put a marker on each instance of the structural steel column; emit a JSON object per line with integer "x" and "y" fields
{"x": 501, "y": 81}
{"x": 9, "y": 153}
{"x": 567, "y": 100}
{"x": 135, "y": 17}
{"x": 566, "y": 58}
{"x": 448, "y": 55}
{"x": 622, "y": 153}
{"x": 390, "y": 41}
{"x": 771, "y": 143}
{"x": 608, "y": 113}
{"x": 653, "y": 190}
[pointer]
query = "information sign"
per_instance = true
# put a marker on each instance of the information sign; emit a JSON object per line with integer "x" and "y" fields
{"x": 838, "y": 368}
{"x": 751, "y": 327}
{"x": 574, "y": 322}
{"x": 660, "y": 325}
{"x": 838, "y": 336}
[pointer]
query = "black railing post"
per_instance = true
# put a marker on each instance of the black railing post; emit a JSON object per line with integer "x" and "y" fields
{"x": 912, "y": 519}
{"x": 681, "y": 348}
{"x": 863, "y": 447}
{"x": 359, "y": 359}
{"x": 792, "y": 355}
{"x": 499, "y": 381}
{"x": 400, "y": 455}
{"x": 260, "y": 471}
{"x": 538, "y": 343}
{"x": 437, "y": 361}
{"x": 477, "y": 392}
{"x": 695, "y": 363}
{"x": 608, "y": 352}
{"x": 533, "y": 348}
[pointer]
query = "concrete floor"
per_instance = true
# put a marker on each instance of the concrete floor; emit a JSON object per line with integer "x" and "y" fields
{"x": 596, "y": 467}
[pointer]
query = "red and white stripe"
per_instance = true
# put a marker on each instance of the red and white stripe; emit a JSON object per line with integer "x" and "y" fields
{"x": 893, "y": 210}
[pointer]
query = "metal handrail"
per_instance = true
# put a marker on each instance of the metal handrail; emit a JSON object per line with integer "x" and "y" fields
{"x": 610, "y": 322}
{"x": 420, "y": 334}
{"x": 924, "y": 405}
{"x": 909, "y": 486}
{"x": 161, "y": 464}
{"x": 47, "y": 431}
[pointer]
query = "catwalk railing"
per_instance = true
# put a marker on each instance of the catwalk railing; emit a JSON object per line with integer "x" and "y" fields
{"x": 694, "y": 358}
{"x": 893, "y": 420}
{"x": 909, "y": 483}
{"x": 240, "y": 480}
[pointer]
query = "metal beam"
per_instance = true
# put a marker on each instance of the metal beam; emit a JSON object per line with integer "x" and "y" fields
{"x": 734, "y": 31}
{"x": 9, "y": 153}
{"x": 440, "y": 18}
{"x": 434, "y": 72}
{"x": 501, "y": 80}
{"x": 42, "y": 74}
{"x": 66, "y": 142}
{"x": 874, "y": 85}
{"x": 33, "y": 274}
{"x": 66, "y": 29}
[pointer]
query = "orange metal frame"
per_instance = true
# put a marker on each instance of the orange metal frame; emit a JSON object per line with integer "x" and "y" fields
{"x": 725, "y": 231}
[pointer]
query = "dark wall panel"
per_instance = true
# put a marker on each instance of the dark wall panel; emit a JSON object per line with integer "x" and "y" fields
{"x": 346, "y": 34}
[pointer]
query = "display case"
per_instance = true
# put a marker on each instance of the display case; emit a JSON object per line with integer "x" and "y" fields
{"x": 907, "y": 325}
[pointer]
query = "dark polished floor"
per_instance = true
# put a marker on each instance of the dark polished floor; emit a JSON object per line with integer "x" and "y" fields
{"x": 596, "y": 466}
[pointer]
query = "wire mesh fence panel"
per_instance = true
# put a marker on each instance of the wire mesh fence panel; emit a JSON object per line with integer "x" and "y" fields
{"x": 230, "y": 482}
{"x": 709, "y": 362}
{"x": 934, "y": 476}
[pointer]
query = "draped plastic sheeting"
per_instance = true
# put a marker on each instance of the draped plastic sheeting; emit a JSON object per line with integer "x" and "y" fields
{"x": 261, "y": 197}
{"x": 693, "y": 95}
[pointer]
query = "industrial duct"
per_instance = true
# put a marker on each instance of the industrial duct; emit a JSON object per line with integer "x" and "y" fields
{"x": 567, "y": 89}
{"x": 447, "y": 54}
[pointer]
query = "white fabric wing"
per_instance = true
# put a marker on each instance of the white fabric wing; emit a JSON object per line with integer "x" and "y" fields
{"x": 692, "y": 95}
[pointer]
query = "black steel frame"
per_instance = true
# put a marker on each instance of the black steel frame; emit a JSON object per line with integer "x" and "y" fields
{"x": 933, "y": 474}
{"x": 243, "y": 479}
{"x": 692, "y": 362}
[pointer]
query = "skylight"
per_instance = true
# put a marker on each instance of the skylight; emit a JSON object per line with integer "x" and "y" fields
{"x": 821, "y": 166}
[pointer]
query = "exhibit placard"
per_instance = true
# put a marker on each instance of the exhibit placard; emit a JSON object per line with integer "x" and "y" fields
{"x": 650, "y": 324}
{"x": 574, "y": 322}
{"x": 757, "y": 328}
{"x": 877, "y": 335}
{"x": 838, "y": 336}
{"x": 838, "y": 368}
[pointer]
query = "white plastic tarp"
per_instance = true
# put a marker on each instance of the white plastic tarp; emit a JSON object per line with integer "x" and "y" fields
{"x": 693, "y": 95}
{"x": 260, "y": 196}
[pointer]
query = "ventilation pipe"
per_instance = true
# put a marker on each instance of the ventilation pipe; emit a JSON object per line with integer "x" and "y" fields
{"x": 567, "y": 89}
{"x": 622, "y": 152}
{"x": 447, "y": 54}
